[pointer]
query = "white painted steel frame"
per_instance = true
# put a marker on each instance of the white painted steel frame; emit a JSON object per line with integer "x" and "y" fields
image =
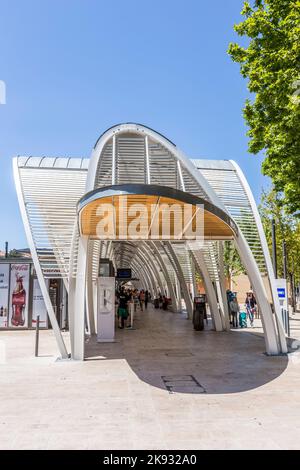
{"x": 253, "y": 272}
{"x": 152, "y": 269}
{"x": 265, "y": 249}
{"x": 56, "y": 330}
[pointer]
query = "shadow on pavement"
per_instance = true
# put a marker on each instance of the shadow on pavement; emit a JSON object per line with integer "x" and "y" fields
{"x": 164, "y": 351}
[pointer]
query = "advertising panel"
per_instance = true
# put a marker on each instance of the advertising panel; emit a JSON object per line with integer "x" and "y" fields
{"x": 19, "y": 295}
{"x": 38, "y": 306}
{"x": 4, "y": 289}
{"x": 106, "y": 309}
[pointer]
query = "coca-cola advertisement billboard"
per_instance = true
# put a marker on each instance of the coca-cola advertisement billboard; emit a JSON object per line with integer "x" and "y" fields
{"x": 19, "y": 295}
{"x": 4, "y": 287}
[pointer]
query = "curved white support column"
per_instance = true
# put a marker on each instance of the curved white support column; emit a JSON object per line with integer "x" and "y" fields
{"x": 272, "y": 346}
{"x": 223, "y": 287}
{"x": 90, "y": 290}
{"x": 145, "y": 265}
{"x": 177, "y": 291}
{"x": 183, "y": 285}
{"x": 221, "y": 305}
{"x": 265, "y": 248}
{"x": 56, "y": 330}
{"x": 79, "y": 312}
{"x": 166, "y": 276}
{"x": 144, "y": 274}
{"x": 152, "y": 261}
{"x": 71, "y": 309}
{"x": 152, "y": 285}
{"x": 72, "y": 285}
{"x": 209, "y": 289}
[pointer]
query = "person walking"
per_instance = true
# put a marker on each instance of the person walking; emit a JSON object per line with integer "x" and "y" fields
{"x": 146, "y": 298}
{"x": 165, "y": 303}
{"x": 234, "y": 311}
{"x": 230, "y": 297}
{"x": 122, "y": 309}
{"x": 142, "y": 299}
{"x": 250, "y": 304}
{"x": 135, "y": 299}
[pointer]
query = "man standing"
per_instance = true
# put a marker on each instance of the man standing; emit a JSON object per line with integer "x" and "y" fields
{"x": 234, "y": 310}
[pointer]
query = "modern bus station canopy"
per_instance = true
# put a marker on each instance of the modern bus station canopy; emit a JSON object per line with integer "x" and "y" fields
{"x": 61, "y": 199}
{"x": 216, "y": 224}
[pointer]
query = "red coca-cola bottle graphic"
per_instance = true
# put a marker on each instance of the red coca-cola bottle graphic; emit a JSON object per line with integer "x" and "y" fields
{"x": 18, "y": 302}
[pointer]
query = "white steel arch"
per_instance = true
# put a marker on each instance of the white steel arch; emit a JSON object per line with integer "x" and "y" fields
{"x": 129, "y": 153}
{"x": 131, "y": 141}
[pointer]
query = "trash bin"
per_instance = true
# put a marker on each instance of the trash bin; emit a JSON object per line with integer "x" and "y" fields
{"x": 199, "y": 312}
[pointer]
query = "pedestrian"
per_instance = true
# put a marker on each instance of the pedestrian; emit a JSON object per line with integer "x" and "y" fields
{"x": 122, "y": 309}
{"x": 142, "y": 299}
{"x": 234, "y": 310}
{"x": 135, "y": 299}
{"x": 250, "y": 304}
{"x": 165, "y": 303}
{"x": 230, "y": 296}
{"x": 146, "y": 298}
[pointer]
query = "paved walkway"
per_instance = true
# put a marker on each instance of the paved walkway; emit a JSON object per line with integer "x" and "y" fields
{"x": 161, "y": 386}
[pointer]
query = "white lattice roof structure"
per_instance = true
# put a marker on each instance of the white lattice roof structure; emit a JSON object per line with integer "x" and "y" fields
{"x": 50, "y": 188}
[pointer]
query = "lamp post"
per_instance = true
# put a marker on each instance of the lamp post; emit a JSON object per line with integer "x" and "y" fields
{"x": 284, "y": 259}
{"x": 274, "y": 248}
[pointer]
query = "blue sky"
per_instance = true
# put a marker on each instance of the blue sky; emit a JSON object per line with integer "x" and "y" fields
{"x": 73, "y": 68}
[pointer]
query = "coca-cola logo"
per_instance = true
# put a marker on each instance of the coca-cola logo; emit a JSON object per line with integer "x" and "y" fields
{"x": 19, "y": 267}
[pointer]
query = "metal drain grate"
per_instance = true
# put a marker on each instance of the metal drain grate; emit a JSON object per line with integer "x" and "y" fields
{"x": 182, "y": 384}
{"x": 178, "y": 353}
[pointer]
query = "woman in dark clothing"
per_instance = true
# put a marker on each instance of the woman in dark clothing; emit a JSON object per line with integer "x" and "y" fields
{"x": 250, "y": 303}
{"x": 122, "y": 310}
{"x": 165, "y": 303}
{"x": 146, "y": 298}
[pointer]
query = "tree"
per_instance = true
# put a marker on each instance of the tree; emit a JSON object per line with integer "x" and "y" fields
{"x": 13, "y": 253}
{"x": 271, "y": 63}
{"x": 287, "y": 229}
{"x": 232, "y": 262}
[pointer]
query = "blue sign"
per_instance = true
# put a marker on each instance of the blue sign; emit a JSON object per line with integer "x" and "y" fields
{"x": 281, "y": 292}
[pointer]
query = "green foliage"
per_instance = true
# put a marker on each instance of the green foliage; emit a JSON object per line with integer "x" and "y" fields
{"x": 271, "y": 63}
{"x": 13, "y": 253}
{"x": 232, "y": 261}
{"x": 287, "y": 228}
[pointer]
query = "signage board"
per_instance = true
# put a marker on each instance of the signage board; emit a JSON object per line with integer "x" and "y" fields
{"x": 124, "y": 273}
{"x": 106, "y": 309}
{"x": 38, "y": 306}
{"x": 4, "y": 291}
{"x": 282, "y": 292}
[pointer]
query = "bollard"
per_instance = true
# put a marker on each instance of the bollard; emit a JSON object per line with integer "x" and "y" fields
{"x": 285, "y": 325}
{"x": 37, "y": 330}
{"x": 283, "y": 318}
{"x": 131, "y": 314}
{"x": 286, "y": 321}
